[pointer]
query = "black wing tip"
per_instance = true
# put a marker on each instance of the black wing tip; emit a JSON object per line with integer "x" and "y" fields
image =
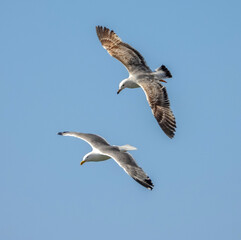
{"x": 62, "y": 133}
{"x": 102, "y": 29}
{"x": 165, "y": 69}
{"x": 147, "y": 183}
{"x": 171, "y": 135}
{"x": 98, "y": 27}
{"x": 168, "y": 126}
{"x": 169, "y": 130}
{"x": 165, "y": 117}
{"x": 99, "y": 30}
{"x": 103, "y": 32}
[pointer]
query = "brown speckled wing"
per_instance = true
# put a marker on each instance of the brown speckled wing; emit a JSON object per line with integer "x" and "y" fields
{"x": 131, "y": 58}
{"x": 157, "y": 98}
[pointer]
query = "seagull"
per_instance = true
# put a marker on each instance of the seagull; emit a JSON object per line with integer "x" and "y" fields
{"x": 140, "y": 75}
{"x": 102, "y": 150}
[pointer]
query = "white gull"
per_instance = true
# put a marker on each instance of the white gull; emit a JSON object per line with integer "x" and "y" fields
{"x": 102, "y": 151}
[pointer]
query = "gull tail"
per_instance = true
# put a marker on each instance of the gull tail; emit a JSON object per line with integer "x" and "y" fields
{"x": 163, "y": 72}
{"x": 126, "y": 148}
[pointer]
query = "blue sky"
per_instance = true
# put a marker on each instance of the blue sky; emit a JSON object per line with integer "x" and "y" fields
{"x": 55, "y": 76}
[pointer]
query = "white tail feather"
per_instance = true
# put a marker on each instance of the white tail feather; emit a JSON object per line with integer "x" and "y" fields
{"x": 126, "y": 148}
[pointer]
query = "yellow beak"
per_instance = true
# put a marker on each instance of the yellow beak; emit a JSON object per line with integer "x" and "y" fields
{"x": 82, "y": 162}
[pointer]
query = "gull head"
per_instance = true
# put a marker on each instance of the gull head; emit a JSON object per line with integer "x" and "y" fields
{"x": 86, "y": 158}
{"x": 123, "y": 84}
{"x": 127, "y": 83}
{"x": 94, "y": 157}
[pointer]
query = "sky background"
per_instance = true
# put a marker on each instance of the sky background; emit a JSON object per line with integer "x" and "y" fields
{"x": 55, "y": 76}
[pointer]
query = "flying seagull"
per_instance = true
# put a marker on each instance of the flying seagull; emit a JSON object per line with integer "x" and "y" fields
{"x": 102, "y": 150}
{"x": 140, "y": 75}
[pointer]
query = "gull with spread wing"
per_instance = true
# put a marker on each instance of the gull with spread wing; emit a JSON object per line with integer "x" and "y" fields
{"x": 140, "y": 75}
{"x": 102, "y": 151}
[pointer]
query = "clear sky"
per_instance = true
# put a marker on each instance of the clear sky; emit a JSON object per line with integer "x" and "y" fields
{"x": 55, "y": 76}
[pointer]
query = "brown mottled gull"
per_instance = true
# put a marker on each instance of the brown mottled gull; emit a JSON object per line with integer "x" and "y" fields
{"x": 140, "y": 75}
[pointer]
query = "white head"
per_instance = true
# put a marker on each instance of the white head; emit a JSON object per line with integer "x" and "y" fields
{"x": 94, "y": 157}
{"x": 87, "y": 158}
{"x": 127, "y": 83}
{"x": 123, "y": 84}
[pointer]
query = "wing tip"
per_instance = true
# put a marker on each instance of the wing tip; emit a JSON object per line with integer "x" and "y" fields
{"x": 169, "y": 126}
{"x": 147, "y": 183}
{"x": 62, "y": 133}
{"x": 105, "y": 33}
{"x": 171, "y": 136}
{"x": 98, "y": 28}
{"x": 169, "y": 131}
{"x": 166, "y": 119}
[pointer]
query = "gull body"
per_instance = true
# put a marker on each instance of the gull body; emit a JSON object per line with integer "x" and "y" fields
{"x": 97, "y": 156}
{"x": 94, "y": 157}
{"x": 134, "y": 81}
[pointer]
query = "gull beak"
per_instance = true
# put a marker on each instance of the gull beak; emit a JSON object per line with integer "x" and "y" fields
{"x": 162, "y": 81}
{"x": 119, "y": 91}
{"x": 82, "y": 162}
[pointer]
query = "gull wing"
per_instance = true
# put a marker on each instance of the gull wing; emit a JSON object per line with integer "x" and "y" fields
{"x": 128, "y": 163}
{"x": 130, "y": 57}
{"x": 157, "y": 98}
{"x": 95, "y": 141}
